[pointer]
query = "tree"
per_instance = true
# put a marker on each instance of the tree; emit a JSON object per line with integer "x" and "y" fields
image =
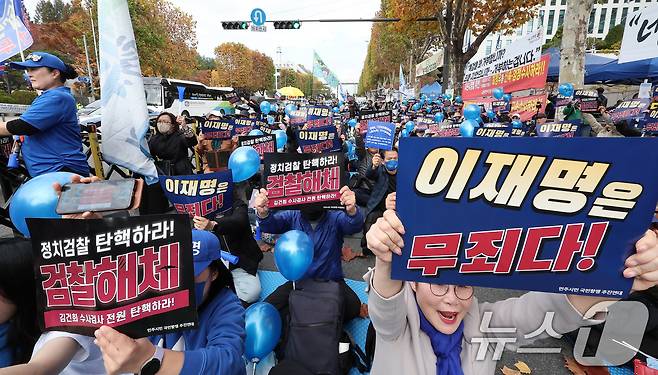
{"x": 52, "y": 11}
{"x": 455, "y": 17}
{"x": 572, "y": 53}
{"x": 555, "y": 41}
{"x": 310, "y": 85}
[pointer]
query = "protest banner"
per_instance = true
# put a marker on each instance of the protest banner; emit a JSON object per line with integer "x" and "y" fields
{"x": 318, "y": 116}
{"x": 649, "y": 123}
{"x": 200, "y": 195}
{"x": 629, "y": 109}
{"x": 563, "y": 101}
{"x": 640, "y": 35}
{"x": 365, "y": 116}
{"x": 447, "y": 130}
{"x": 318, "y": 140}
{"x": 6, "y": 144}
{"x": 244, "y": 125}
{"x": 521, "y": 52}
{"x": 525, "y": 106}
{"x": 588, "y": 100}
{"x": 528, "y": 76}
{"x": 134, "y": 274}
{"x": 380, "y": 135}
{"x": 501, "y": 106}
{"x": 294, "y": 181}
{"x": 498, "y": 130}
{"x": 218, "y": 129}
{"x": 232, "y": 97}
{"x": 423, "y": 122}
{"x": 564, "y": 129}
{"x": 558, "y": 216}
{"x": 261, "y": 143}
{"x": 297, "y": 118}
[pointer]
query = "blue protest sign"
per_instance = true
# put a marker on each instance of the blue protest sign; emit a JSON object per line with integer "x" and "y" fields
{"x": 218, "y": 129}
{"x": 564, "y": 129}
{"x": 200, "y": 195}
{"x": 318, "y": 140}
{"x": 380, "y": 135}
{"x": 318, "y": 116}
{"x": 649, "y": 123}
{"x": 539, "y": 214}
{"x": 244, "y": 125}
{"x": 258, "y": 17}
{"x": 629, "y": 109}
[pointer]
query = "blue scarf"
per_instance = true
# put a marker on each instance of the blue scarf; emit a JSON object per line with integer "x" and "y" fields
{"x": 446, "y": 347}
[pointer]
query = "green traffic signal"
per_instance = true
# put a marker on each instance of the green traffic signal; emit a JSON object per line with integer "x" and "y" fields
{"x": 244, "y": 25}
{"x": 296, "y": 25}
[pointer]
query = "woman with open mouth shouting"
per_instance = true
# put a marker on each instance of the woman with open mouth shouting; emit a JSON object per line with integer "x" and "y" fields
{"x": 436, "y": 329}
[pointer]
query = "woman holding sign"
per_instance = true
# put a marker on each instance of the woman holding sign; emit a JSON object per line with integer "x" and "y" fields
{"x": 435, "y": 329}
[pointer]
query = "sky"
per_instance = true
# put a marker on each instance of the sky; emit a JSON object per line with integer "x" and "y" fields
{"x": 342, "y": 46}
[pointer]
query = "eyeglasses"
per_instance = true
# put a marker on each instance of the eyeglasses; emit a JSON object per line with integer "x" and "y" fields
{"x": 33, "y": 57}
{"x": 462, "y": 292}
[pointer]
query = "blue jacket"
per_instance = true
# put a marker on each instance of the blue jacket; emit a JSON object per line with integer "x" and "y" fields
{"x": 380, "y": 177}
{"x": 217, "y": 345}
{"x": 327, "y": 237}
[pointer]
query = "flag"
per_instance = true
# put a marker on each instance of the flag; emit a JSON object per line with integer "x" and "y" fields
{"x": 403, "y": 83}
{"x": 125, "y": 117}
{"x": 323, "y": 72}
{"x": 14, "y": 36}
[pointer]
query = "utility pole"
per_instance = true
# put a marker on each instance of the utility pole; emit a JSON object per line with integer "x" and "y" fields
{"x": 93, "y": 31}
{"x": 91, "y": 80}
{"x": 276, "y": 68}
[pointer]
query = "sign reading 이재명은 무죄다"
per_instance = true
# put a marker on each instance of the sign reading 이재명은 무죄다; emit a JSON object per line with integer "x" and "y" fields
{"x": 545, "y": 214}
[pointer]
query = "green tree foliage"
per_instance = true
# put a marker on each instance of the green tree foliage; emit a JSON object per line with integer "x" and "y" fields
{"x": 310, "y": 85}
{"x": 52, "y": 11}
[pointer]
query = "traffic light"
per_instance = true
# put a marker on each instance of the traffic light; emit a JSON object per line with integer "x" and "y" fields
{"x": 235, "y": 25}
{"x": 287, "y": 24}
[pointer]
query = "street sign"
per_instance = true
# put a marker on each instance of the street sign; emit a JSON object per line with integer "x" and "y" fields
{"x": 260, "y": 29}
{"x": 258, "y": 17}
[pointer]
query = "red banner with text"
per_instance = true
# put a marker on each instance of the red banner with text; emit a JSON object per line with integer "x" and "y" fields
{"x": 529, "y": 76}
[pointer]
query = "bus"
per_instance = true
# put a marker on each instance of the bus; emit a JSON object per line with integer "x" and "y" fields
{"x": 198, "y": 99}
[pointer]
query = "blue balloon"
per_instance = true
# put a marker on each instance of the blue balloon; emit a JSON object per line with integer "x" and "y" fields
{"x": 566, "y": 89}
{"x": 36, "y": 199}
{"x": 336, "y": 110}
{"x": 491, "y": 114}
{"x": 351, "y": 122}
{"x": 405, "y": 102}
{"x": 447, "y": 96}
{"x": 416, "y": 107}
{"x": 265, "y": 107}
{"x": 274, "y": 108}
{"x": 289, "y": 108}
{"x": 340, "y": 103}
{"x": 467, "y": 128}
{"x": 404, "y": 133}
{"x": 409, "y": 126}
{"x": 516, "y": 124}
{"x": 244, "y": 162}
{"x": 439, "y": 117}
{"x": 351, "y": 148}
{"x": 293, "y": 254}
{"x": 472, "y": 111}
{"x": 458, "y": 99}
{"x": 507, "y": 98}
{"x": 262, "y": 324}
{"x": 270, "y": 120}
{"x": 281, "y": 138}
{"x": 429, "y": 110}
{"x": 498, "y": 93}
{"x": 255, "y": 132}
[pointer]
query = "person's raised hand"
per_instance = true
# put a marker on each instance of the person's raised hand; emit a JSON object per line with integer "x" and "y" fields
{"x": 643, "y": 265}
{"x": 348, "y": 199}
{"x": 121, "y": 354}
{"x": 390, "y": 201}
{"x": 260, "y": 204}
{"x": 385, "y": 236}
{"x": 376, "y": 161}
{"x": 201, "y": 223}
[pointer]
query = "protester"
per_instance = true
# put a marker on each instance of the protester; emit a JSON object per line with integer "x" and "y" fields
{"x": 234, "y": 230}
{"x": 383, "y": 172}
{"x": 430, "y": 328}
{"x": 326, "y": 228}
{"x": 601, "y": 99}
{"x": 19, "y": 330}
{"x": 170, "y": 144}
{"x": 52, "y": 140}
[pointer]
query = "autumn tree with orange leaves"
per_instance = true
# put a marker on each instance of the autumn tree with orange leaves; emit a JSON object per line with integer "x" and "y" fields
{"x": 240, "y": 67}
{"x": 455, "y": 17}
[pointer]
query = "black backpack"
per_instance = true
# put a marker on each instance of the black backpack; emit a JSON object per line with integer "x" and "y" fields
{"x": 315, "y": 325}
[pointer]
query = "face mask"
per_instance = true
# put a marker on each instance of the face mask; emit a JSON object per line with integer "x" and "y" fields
{"x": 391, "y": 165}
{"x": 312, "y": 213}
{"x": 198, "y": 292}
{"x": 164, "y": 128}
